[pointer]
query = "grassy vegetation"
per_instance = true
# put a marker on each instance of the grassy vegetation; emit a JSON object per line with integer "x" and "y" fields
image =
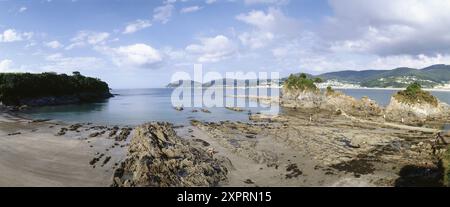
{"x": 330, "y": 91}
{"x": 301, "y": 83}
{"x": 17, "y": 86}
{"x": 414, "y": 94}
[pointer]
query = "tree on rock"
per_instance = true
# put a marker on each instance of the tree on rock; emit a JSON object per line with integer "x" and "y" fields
{"x": 415, "y": 95}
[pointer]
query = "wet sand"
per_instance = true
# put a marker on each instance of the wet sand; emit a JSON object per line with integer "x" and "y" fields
{"x": 32, "y": 155}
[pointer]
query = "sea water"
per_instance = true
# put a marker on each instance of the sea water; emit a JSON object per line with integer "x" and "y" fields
{"x": 137, "y": 106}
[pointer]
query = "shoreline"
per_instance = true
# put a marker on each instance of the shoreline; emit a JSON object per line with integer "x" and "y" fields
{"x": 266, "y": 152}
{"x": 389, "y": 89}
{"x": 280, "y": 87}
{"x": 52, "y": 153}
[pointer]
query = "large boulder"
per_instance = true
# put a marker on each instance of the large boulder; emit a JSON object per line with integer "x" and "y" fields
{"x": 158, "y": 157}
{"x": 398, "y": 109}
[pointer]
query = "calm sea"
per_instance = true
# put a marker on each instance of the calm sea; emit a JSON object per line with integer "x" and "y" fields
{"x": 136, "y": 106}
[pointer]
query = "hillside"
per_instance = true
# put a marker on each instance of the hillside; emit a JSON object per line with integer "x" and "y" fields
{"x": 50, "y": 89}
{"x": 223, "y": 82}
{"x": 428, "y": 77}
{"x": 182, "y": 82}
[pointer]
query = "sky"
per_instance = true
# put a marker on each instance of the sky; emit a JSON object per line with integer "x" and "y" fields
{"x": 141, "y": 44}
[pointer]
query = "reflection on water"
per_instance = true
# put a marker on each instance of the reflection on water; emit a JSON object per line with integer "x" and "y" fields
{"x": 136, "y": 106}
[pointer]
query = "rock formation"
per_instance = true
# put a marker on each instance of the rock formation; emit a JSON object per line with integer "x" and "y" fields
{"x": 158, "y": 157}
{"x": 414, "y": 103}
{"x": 330, "y": 100}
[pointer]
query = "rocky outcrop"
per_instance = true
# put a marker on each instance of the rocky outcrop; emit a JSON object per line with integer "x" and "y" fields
{"x": 301, "y": 99}
{"x": 158, "y": 157}
{"x": 397, "y": 110}
{"x": 330, "y": 101}
{"x": 362, "y": 107}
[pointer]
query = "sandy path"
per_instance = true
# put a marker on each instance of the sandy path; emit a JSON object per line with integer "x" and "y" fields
{"x": 37, "y": 157}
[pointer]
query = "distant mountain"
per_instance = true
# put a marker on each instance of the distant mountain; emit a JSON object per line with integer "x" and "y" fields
{"x": 181, "y": 82}
{"x": 236, "y": 83}
{"x": 428, "y": 77}
{"x": 397, "y": 78}
{"x": 223, "y": 82}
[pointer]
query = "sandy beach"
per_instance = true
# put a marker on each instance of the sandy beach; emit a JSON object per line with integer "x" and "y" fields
{"x": 287, "y": 150}
{"x": 32, "y": 155}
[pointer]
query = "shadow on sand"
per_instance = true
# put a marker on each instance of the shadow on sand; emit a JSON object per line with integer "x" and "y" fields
{"x": 419, "y": 176}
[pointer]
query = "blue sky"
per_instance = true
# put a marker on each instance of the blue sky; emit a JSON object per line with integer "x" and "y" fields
{"x": 138, "y": 44}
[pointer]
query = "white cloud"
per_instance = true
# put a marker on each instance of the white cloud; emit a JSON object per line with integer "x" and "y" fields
{"x": 210, "y": 1}
{"x": 136, "y": 26}
{"x": 259, "y": 19}
{"x": 11, "y": 35}
{"x": 22, "y": 9}
{"x": 163, "y": 13}
{"x": 54, "y": 44}
{"x": 387, "y": 27}
{"x": 135, "y": 56}
{"x": 190, "y": 9}
{"x": 6, "y": 65}
{"x": 274, "y": 20}
{"x": 84, "y": 38}
{"x": 256, "y": 40}
{"x": 267, "y": 26}
{"x": 213, "y": 49}
{"x": 266, "y": 2}
{"x": 412, "y": 61}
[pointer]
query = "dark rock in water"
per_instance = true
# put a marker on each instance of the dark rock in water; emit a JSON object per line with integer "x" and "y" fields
{"x": 178, "y": 108}
{"x": 75, "y": 127}
{"x": 237, "y": 109}
{"x": 114, "y": 131}
{"x": 40, "y": 120}
{"x": 62, "y": 131}
{"x": 194, "y": 111}
{"x": 158, "y": 157}
{"x": 206, "y": 111}
{"x": 15, "y": 133}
